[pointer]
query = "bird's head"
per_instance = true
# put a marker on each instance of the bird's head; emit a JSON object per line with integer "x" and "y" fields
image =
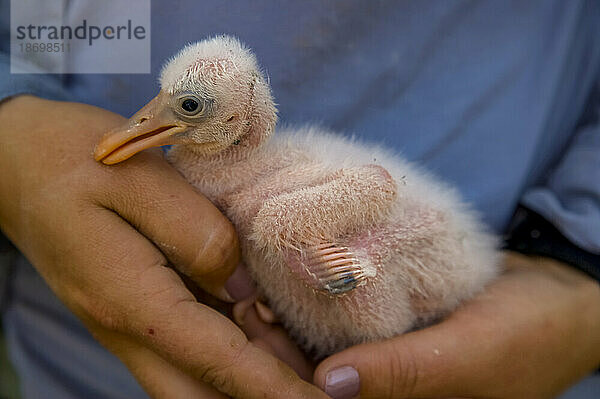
{"x": 213, "y": 97}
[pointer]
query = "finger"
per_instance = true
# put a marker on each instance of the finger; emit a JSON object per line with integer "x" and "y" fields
{"x": 240, "y": 309}
{"x": 136, "y": 294}
{"x": 398, "y": 368}
{"x": 158, "y": 378}
{"x": 240, "y": 285}
{"x": 278, "y": 342}
{"x": 265, "y": 313}
{"x": 262, "y": 344}
{"x": 192, "y": 233}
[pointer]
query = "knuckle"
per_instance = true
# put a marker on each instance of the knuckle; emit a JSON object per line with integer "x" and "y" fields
{"x": 219, "y": 250}
{"x": 407, "y": 380}
{"x": 221, "y": 376}
{"x": 217, "y": 378}
{"x": 401, "y": 368}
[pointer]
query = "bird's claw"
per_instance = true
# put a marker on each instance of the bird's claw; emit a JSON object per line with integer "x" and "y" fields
{"x": 335, "y": 267}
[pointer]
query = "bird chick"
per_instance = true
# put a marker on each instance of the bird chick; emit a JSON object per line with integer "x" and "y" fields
{"x": 347, "y": 242}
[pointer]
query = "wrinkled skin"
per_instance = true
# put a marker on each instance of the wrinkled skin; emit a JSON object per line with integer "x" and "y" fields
{"x": 104, "y": 240}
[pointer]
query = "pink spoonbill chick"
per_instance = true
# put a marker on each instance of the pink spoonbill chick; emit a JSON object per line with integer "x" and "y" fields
{"x": 347, "y": 242}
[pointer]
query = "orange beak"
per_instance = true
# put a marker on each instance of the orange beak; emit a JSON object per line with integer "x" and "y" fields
{"x": 152, "y": 126}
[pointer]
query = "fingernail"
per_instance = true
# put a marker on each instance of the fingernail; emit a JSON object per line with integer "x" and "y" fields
{"x": 240, "y": 285}
{"x": 342, "y": 383}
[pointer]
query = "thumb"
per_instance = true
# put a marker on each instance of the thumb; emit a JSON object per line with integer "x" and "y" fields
{"x": 376, "y": 370}
{"x": 435, "y": 362}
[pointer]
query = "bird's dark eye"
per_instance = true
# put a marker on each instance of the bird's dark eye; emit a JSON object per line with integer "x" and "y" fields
{"x": 190, "y": 105}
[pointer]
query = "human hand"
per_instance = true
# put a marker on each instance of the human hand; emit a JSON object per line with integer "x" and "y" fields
{"x": 530, "y": 334}
{"x": 103, "y": 237}
{"x": 262, "y": 328}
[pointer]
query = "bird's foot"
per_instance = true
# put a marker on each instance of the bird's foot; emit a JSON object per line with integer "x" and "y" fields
{"x": 334, "y": 268}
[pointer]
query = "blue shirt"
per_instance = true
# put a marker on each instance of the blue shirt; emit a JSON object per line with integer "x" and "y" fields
{"x": 498, "y": 98}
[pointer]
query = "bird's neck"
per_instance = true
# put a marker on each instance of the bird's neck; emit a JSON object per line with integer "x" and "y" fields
{"x": 218, "y": 175}
{"x": 242, "y": 152}
{"x": 258, "y": 132}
